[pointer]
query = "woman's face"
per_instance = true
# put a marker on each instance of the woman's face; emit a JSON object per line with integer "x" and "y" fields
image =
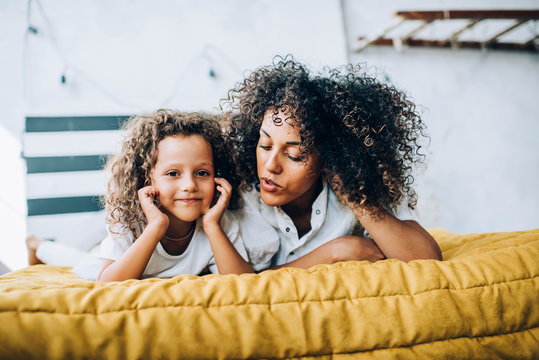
{"x": 285, "y": 177}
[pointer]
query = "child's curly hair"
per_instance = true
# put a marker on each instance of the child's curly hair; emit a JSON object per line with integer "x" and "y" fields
{"x": 130, "y": 169}
{"x": 367, "y": 133}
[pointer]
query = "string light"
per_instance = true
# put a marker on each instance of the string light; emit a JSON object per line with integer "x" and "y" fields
{"x": 205, "y": 53}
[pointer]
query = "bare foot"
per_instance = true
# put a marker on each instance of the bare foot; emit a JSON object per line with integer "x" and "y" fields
{"x": 32, "y": 243}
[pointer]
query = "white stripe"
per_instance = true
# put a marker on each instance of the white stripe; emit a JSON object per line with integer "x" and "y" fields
{"x": 61, "y": 184}
{"x": 80, "y": 230}
{"x": 72, "y": 143}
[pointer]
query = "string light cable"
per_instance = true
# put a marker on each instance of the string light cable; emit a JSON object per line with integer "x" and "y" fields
{"x": 205, "y": 53}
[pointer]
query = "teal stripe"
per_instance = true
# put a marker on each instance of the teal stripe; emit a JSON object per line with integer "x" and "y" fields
{"x": 74, "y": 123}
{"x": 36, "y": 165}
{"x": 64, "y": 205}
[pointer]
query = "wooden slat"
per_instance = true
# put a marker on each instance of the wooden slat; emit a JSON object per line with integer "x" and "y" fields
{"x": 469, "y": 14}
{"x": 529, "y": 46}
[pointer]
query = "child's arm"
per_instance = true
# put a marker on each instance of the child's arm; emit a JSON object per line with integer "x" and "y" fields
{"x": 227, "y": 258}
{"x": 132, "y": 263}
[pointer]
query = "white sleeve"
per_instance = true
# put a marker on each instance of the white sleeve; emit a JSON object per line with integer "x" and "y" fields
{"x": 231, "y": 228}
{"x": 261, "y": 240}
{"x": 116, "y": 244}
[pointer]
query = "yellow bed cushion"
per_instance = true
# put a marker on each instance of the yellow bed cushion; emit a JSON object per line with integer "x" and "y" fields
{"x": 481, "y": 302}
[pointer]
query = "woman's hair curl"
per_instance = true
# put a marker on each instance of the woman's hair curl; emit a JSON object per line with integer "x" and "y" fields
{"x": 367, "y": 133}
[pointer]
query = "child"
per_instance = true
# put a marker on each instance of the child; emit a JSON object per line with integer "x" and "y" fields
{"x": 320, "y": 154}
{"x": 163, "y": 217}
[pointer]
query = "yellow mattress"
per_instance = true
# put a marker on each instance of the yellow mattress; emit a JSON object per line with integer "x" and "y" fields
{"x": 482, "y": 302}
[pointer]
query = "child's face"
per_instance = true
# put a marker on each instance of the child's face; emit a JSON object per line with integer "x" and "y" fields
{"x": 285, "y": 178}
{"x": 184, "y": 176}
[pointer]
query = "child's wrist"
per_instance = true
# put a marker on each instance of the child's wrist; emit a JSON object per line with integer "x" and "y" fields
{"x": 212, "y": 226}
{"x": 156, "y": 228}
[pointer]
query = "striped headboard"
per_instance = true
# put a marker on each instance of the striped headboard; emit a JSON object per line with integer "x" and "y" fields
{"x": 64, "y": 160}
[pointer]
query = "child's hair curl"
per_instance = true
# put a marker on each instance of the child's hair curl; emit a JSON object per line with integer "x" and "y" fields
{"x": 366, "y": 132}
{"x": 130, "y": 169}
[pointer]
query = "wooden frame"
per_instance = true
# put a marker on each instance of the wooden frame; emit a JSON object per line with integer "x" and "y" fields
{"x": 474, "y": 17}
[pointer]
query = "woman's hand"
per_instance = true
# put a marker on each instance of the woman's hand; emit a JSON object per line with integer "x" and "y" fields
{"x": 213, "y": 215}
{"x": 155, "y": 217}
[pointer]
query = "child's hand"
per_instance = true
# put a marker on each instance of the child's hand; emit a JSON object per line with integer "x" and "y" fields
{"x": 214, "y": 213}
{"x": 146, "y": 196}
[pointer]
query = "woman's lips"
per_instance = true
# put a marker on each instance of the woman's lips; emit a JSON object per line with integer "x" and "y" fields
{"x": 269, "y": 185}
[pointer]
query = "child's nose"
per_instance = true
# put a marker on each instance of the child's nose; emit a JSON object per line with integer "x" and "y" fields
{"x": 188, "y": 184}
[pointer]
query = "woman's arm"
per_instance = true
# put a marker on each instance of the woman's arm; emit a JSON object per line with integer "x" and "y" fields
{"x": 344, "y": 248}
{"x": 397, "y": 239}
{"x": 227, "y": 258}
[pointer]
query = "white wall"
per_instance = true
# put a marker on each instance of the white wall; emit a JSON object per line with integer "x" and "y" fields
{"x": 12, "y": 192}
{"x": 132, "y": 56}
{"x": 481, "y": 111}
{"x": 129, "y": 56}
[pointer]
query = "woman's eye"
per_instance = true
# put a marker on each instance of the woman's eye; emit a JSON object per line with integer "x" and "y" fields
{"x": 264, "y": 147}
{"x": 293, "y": 158}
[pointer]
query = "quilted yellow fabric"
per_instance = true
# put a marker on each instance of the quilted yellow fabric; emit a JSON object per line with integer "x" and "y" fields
{"x": 480, "y": 303}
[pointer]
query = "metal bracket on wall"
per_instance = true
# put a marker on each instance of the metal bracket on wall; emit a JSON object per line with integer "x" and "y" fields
{"x": 426, "y": 19}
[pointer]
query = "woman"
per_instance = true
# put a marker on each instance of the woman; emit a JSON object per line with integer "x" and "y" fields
{"x": 320, "y": 154}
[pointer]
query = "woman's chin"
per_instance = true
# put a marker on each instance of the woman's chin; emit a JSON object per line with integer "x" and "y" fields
{"x": 271, "y": 199}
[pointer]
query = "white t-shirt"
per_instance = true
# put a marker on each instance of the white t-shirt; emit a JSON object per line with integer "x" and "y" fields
{"x": 197, "y": 258}
{"x": 271, "y": 238}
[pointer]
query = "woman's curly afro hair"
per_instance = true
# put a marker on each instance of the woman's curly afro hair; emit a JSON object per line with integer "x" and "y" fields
{"x": 130, "y": 169}
{"x": 367, "y": 133}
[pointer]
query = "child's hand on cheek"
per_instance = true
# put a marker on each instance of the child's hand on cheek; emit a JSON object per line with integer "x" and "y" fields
{"x": 155, "y": 217}
{"x": 213, "y": 215}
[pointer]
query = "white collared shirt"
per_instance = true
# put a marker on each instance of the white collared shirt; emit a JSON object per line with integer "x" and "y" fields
{"x": 330, "y": 218}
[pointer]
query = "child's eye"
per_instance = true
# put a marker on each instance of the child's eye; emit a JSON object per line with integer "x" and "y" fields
{"x": 173, "y": 173}
{"x": 203, "y": 173}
